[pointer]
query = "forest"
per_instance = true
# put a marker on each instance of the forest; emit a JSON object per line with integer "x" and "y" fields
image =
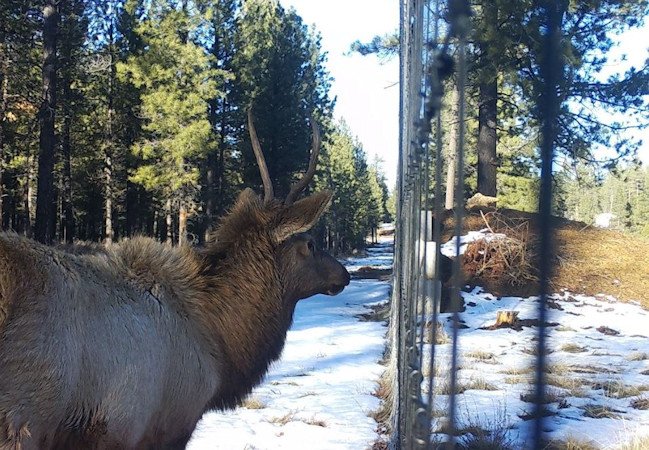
{"x": 126, "y": 117}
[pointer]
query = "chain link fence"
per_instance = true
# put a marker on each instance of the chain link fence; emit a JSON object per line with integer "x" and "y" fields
{"x": 434, "y": 46}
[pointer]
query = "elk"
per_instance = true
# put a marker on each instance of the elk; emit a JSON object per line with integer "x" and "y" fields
{"x": 126, "y": 347}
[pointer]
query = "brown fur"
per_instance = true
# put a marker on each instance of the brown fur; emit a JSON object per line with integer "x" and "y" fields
{"x": 127, "y": 347}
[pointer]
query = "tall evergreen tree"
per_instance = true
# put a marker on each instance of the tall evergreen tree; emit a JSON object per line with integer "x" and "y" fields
{"x": 177, "y": 83}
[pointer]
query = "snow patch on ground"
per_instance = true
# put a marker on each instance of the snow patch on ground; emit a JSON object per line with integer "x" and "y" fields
{"x": 449, "y": 249}
{"x": 377, "y": 258}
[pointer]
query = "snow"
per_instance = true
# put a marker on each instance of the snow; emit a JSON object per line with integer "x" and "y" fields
{"x": 603, "y": 220}
{"x": 449, "y": 249}
{"x": 378, "y": 257}
{"x": 319, "y": 394}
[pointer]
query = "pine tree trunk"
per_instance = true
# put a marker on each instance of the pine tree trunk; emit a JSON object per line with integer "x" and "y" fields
{"x": 45, "y": 191}
{"x": 109, "y": 234}
{"x": 66, "y": 197}
{"x": 169, "y": 222}
{"x": 2, "y": 209}
{"x": 487, "y": 106}
{"x": 182, "y": 224}
{"x": 4, "y": 88}
{"x": 451, "y": 150}
{"x": 218, "y": 107}
{"x": 30, "y": 198}
{"x": 208, "y": 200}
{"x": 487, "y": 120}
{"x": 156, "y": 225}
{"x": 132, "y": 215}
{"x": 220, "y": 174}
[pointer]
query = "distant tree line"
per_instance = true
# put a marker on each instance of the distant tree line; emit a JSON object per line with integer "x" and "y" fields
{"x": 123, "y": 117}
{"x": 584, "y": 193}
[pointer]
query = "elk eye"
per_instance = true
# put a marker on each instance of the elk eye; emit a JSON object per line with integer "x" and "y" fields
{"x": 311, "y": 246}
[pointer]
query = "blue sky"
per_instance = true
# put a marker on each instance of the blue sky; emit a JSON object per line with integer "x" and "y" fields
{"x": 367, "y": 91}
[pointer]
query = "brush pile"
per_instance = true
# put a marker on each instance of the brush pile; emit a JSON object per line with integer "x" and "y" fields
{"x": 508, "y": 257}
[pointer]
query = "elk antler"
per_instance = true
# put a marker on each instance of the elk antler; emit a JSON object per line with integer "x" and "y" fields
{"x": 261, "y": 161}
{"x": 308, "y": 175}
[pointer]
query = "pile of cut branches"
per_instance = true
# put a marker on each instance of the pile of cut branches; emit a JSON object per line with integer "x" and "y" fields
{"x": 508, "y": 256}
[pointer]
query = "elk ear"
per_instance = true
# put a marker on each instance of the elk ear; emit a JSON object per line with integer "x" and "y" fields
{"x": 301, "y": 216}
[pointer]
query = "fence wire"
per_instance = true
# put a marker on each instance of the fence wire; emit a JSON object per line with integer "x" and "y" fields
{"x": 433, "y": 37}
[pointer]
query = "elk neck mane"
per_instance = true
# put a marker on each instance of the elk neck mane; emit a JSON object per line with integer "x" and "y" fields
{"x": 247, "y": 320}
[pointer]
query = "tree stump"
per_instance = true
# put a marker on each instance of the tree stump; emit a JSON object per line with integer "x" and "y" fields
{"x": 506, "y": 318}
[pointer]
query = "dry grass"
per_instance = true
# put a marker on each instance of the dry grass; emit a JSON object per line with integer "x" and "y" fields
{"x": 572, "y": 348}
{"x": 573, "y": 386}
{"x": 308, "y": 394}
{"x": 557, "y": 369}
{"x": 478, "y": 384}
{"x": 641, "y": 402}
{"x": 636, "y": 443}
{"x": 552, "y": 395}
{"x": 638, "y": 356}
{"x": 589, "y": 260}
{"x": 600, "y": 412}
{"x": 518, "y": 370}
{"x": 488, "y": 431}
{"x": 618, "y": 389}
{"x": 517, "y": 380}
{"x": 283, "y": 420}
{"x": 287, "y": 383}
{"x": 485, "y": 439}
{"x": 571, "y": 444}
{"x": 534, "y": 351}
{"x": 253, "y": 403}
{"x": 315, "y": 422}
{"x": 590, "y": 368}
{"x": 441, "y": 336}
{"x": 506, "y": 258}
{"x": 385, "y": 393}
{"x": 482, "y": 356}
{"x": 438, "y": 369}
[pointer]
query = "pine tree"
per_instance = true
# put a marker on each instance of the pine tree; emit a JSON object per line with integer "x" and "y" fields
{"x": 177, "y": 82}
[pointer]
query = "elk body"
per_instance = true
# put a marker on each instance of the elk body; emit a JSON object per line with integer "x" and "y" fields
{"x": 126, "y": 347}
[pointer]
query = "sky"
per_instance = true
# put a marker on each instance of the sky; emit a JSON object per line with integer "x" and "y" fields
{"x": 366, "y": 89}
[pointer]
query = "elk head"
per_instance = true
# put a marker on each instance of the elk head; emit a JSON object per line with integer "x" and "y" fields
{"x": 302, "y": 268}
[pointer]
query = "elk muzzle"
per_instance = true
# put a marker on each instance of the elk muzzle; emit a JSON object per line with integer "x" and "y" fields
{"x": 338, "y": 276}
